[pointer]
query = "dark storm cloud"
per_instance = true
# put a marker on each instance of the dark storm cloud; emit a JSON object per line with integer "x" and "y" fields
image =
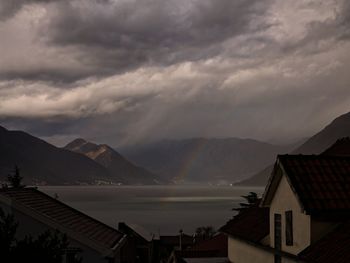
{"x": 344, "y": 19}
{"x": 151, "y": 23}
{"x": 127, "y": 71}
{"x": 333, "y": 30}
{"x": 9, "y": 8}
{"x": 113, "y": 37}
{"x": 61, "y": 77}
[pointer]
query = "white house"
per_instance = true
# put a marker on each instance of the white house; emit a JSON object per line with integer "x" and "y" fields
{"x": 302, "y": 217}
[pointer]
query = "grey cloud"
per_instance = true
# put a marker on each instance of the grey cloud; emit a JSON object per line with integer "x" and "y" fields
{"x": 151, "y": 24}
{"x": 60, "y": 76}
{"x": 9, "y": 8}
{"x": 146, "y": 70}
{"x": 114, "y": 37}
{"x": 344, "y": 19}
{"x": 323, "y": 35}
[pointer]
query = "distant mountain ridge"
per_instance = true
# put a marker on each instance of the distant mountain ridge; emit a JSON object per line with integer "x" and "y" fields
{"x": 203, "y": 159}
{"x": 43, "y": 163}
{"x": 116, "y": 164}
{"x": 337, "y": 129}
{"x": 317, "y": 144}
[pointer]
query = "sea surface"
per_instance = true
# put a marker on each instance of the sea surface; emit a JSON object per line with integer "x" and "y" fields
{"x": 157, "y": 210}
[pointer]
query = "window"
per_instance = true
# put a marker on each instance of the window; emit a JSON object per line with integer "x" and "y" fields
{"x": 278, "y": 238}
{"x": 289, "y": 228}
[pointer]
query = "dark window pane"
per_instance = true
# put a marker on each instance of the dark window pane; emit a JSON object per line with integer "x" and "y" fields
{"x": 278, "y": 234}
{"x": 289, "y": 228}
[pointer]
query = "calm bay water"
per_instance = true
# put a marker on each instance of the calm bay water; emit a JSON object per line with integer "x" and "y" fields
{"x": 157, "y": 209}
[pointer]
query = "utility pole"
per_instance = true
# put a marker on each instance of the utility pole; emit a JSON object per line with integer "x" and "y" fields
{"x": 180, "y": 236}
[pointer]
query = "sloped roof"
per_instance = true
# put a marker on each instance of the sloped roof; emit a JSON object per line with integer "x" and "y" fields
{"x": 186, "y": 240}
{"x": 215, "y": 247}
{"x": 217, "y": 243}
{"x": 320, "y": 182}
{"x": 334, "y": 247}
{"x": 252, "y": 224}
{"x": 55, "y": 211}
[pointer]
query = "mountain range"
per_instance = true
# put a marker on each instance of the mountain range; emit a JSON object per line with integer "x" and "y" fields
{"x": 197, "y": 160}
{"x": 116, "y": 164}
{"x": 320, "y": 142}
{"x": 203, "y": 159}
{"x": 43, "y": 163}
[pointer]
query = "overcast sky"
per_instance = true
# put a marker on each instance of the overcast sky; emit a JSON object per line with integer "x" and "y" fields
{"x": 126, "y": 71}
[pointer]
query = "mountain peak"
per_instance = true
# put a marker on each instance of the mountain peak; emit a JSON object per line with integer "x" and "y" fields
{"x": 338, "y": 128}
{"x": 115, "y": 163}
{"x": 75, "y": 143}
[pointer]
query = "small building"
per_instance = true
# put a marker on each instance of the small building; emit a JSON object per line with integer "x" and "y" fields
{"x": 304, "y": 214}
{"x": 212, "y": 250}
{"x": 37, "y": 212}
{"x": 145, "y": 245}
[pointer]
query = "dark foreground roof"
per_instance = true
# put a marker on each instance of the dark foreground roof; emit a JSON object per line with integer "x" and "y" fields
{"x": 217, "y": 243}
{"x": 63, "y": 215}
{"x": 322, "y": 183}
{"x": 334, "y": 247}
{"x": 213, "y": 247}
{"x": 251, "y": 224}
{"x": 174, "y": 241}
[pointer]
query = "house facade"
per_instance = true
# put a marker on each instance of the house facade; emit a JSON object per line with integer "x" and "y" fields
{"x": 305, "y": 206}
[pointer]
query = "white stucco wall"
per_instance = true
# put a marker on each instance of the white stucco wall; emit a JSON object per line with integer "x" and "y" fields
{"x": 285, "y": 200}
{"x": 241, "y": 252}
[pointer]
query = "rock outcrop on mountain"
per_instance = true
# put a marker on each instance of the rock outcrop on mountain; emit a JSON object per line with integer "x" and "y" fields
{"x": 116, "y": 165}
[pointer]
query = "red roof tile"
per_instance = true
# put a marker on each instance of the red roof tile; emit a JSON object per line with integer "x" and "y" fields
{"x": 322, "y": 183}
{"x": 333, "y": 247}
{"x": 64, "y": 215}
{"x": 252, "y": 224}
{"x": 213, "y": 247}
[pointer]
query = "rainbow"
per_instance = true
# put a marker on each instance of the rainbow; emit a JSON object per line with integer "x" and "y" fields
{"x": 190, "y": 159}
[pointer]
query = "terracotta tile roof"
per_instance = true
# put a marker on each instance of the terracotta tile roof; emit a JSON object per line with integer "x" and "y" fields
{"x": 333, "y": 247}
{"x": 213, "y": 247}
{"x": 251, "y": 224}
{"x": 64, "y": 215}
{"x": 322, "y": 183}
{"x": 217, "y": 242}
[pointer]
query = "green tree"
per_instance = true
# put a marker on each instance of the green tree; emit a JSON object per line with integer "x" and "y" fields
{"x": 48, "y": 247}
{"x": 8, "y": 228}
{"x": 251, "y": 198}
{"x": 15, "y": 179}
{"x": 204, "y": 232}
